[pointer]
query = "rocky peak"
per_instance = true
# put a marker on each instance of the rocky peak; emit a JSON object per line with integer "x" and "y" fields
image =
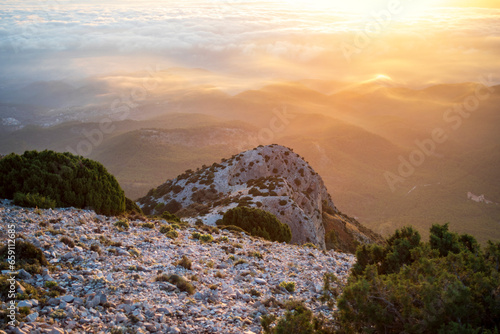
{"x": 272, "y": 178}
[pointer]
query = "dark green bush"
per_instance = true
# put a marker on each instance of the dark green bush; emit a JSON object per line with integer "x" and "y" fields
{"x": 231, "y": 228}
{"x": 170, "y": 217}
{"x": 297, "y": 319}
{"x": 28, "y": 257}
{"x": 289, "y": 286}
{"x": 206, "y": 238}
{"x": 447, "y": 285}
{"x": 122, "y": 224}
{"x": 149, "y": 225}
{"x": 173, "y": 234}
{"x": 132, "y": 207}
{"x": 258, "y": 222}
{"x": 165, "y": 228}
{"x": 34, "y": 201}
{"x": 67, "y": 179}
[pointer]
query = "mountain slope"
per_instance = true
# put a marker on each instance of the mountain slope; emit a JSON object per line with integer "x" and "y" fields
{"x": 272, "y": 178}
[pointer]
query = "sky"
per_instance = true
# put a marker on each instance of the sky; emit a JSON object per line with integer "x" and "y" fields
{"x": 415, "y": 43}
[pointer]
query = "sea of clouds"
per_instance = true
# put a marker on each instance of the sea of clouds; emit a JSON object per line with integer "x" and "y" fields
{"x": 61, "y": 40}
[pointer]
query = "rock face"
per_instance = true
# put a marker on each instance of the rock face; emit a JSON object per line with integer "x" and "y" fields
{"x": 272, "y": 178}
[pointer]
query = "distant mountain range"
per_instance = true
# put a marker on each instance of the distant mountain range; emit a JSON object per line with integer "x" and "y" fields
{"x": 358, "y": 137}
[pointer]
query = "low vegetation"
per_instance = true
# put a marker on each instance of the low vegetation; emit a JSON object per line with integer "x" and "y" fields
{"x": 258, "y": 223}
{"x": 165, "y": 228}
{"x": 28, "y": 257}
{"x": 48, "y": 179}
{"x": 184, "y": 262}
{"x": 122, "y": 224}
{"x": 180, "y": 282}
{"x": 297, "y": 319}
{"x": 36, "y": 200}
{"x": 446, "y": 285}
{"x": 288, "y": 286}
{"x": 398, "y": 288}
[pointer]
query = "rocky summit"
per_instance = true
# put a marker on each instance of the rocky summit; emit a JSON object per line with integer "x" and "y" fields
{"x": 272, "y": 178}
{"x": 112, "y": 275}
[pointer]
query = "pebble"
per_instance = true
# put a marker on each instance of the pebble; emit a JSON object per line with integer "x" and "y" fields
{"x": 114, "y": 289}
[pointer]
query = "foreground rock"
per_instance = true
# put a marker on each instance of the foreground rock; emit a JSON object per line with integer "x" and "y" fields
{"x": 107, "y": 280}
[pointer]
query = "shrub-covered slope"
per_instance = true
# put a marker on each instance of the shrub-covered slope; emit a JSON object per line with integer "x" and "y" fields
{"x": 61, "y": 180}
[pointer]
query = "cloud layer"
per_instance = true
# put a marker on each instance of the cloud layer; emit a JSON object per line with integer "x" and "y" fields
{"x": 64, "y": 39}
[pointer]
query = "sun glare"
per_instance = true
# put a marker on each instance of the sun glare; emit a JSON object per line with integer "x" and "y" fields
{"x": 369, "y": 7}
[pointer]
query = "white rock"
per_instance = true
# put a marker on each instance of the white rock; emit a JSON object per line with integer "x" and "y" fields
{"x": 260, "y": 280}
{"x": 68, "y": 298}
{"x": 25, "y": 303}
{"x": 32, "y": 317}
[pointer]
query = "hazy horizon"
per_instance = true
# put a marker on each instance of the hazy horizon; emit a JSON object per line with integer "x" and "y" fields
{"x": 362, "y": 85}
{"x": 246, "y": 44}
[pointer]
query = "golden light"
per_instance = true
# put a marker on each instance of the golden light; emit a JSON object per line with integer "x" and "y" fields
{"x": 369, "y": 7}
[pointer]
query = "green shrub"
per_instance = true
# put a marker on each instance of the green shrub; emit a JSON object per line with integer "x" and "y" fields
{"x": 165, "y": 228}
{"x": 258, "y": 223}
{"x": 196, "y": 235}
{"x": 206, "y": 238}
{"x": 184, "y": 262}
{"x": 231, "y": 228}
{"x": 257, "y": 255}
{"x": 28, "y": 257}
{"x": 148, "y": 225}
{"x": 123, "y": 224}
{"x": 289, "y": 286}
{"x": 58, "y": 314}
{"x": 170, "y": 217}
{"x": 95, "y": 248}
{"x": 50, "y": 284}
{"x": 254, "y": 292}
{"x": 67, "y": 179}
{"x": 180, "y": 282}
{"x": 297, "y": 319}
{"x": 132, "y": 207}
{"x": 447, "y": 285}
{"x": 67, "y": 241}
{"x": 34, "y": 201}
{"x": 172, "y": 234}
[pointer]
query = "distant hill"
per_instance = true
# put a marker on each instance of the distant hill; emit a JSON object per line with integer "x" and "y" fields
{"x": 272, "y": 178}
{"x": 351, "y": 134}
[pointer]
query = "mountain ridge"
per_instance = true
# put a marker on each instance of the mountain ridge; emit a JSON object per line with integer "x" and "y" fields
{"x": 272, "y": 178}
